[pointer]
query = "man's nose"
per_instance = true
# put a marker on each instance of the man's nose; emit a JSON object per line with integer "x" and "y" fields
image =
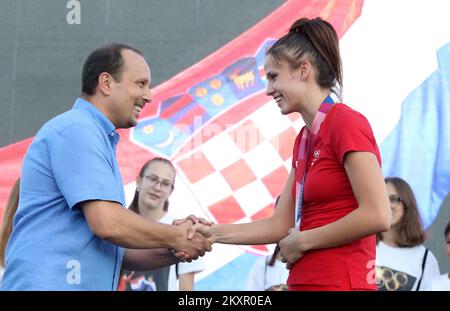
{"x": 147, "y": 96}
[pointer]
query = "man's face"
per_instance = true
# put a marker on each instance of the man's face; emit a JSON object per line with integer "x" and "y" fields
{"x": 132, "y": 92}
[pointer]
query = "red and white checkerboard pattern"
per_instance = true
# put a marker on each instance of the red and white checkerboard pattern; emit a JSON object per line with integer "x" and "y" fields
{"x": 237, "y": 175}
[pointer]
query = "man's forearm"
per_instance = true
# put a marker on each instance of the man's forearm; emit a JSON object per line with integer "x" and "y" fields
{"x": 122, "y": 227}
{"x": 136, "y": 232}
{"x": 147, "y": 259}
{"x": 119, "y": 226}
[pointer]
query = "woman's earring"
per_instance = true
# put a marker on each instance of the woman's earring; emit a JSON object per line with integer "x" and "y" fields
{"x": 138, "y": 189}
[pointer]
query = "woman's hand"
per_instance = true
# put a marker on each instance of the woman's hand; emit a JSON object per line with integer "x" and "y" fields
{"x": 206, "y": 230}
{"x": 194, "y": 220}
{"x": 291, "y": 247}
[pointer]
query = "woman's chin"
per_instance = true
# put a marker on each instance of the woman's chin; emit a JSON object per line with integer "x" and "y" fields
{"x": 153, "y": 203}
{"x": 285, "y": 111}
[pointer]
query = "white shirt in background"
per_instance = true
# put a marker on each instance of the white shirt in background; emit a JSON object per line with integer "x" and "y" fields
{"x": 183, "y": 267}
{"x": 441, "y": 283}
{"x": 399, "y": 268}
{"x": 262, "y": 276}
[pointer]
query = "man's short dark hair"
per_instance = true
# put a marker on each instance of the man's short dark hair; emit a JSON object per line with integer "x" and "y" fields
{"x": 107, "y": 58}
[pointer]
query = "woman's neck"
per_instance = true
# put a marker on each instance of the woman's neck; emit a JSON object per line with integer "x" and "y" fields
{"x": 152, "y": 213}
{"x": 389, "y": 237}
{"x": 314, "y": 101}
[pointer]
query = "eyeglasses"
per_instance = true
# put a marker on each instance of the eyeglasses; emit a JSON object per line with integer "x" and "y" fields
{"x": 395, "y": 200}
{"x": 154, "y": 181}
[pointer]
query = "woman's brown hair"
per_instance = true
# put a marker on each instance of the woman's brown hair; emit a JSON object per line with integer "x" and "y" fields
{"x": 317, "y": 40}
{"x": 409, "y": 229}
{"x": 134, "y": 206}
{"x": 8, "y": 217}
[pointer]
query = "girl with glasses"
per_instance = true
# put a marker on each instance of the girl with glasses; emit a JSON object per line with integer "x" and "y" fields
{"x": 154, "y": 185}
{"x": 403, "y": 262}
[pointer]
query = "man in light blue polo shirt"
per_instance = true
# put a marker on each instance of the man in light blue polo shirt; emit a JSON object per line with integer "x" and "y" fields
{"x": 71, "y": 230}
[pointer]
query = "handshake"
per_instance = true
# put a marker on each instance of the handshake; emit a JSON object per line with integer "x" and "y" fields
{"x": 196, "y": 236}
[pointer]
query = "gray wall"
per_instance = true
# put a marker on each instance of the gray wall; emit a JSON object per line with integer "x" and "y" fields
{"x": 41, "y": 54}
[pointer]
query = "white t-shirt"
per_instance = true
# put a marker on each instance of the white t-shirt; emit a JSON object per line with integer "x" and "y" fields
{"x": 441, "y": 283}
{"x": 399, "y": 268}
{"x": 183, "y": 267}
{"x": 262, "y": 276}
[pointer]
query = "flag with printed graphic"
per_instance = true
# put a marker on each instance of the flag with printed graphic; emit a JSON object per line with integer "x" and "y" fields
{"x": 232, "y": 147}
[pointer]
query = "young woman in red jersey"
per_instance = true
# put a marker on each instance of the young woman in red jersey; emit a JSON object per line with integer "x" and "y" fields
{"x": 335, "y": 199}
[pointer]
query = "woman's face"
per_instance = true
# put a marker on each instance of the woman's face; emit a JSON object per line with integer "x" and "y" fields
{"x": 284, "y": 85}
{"x": 397, "y": 207}
{"x": 156, "y": 185}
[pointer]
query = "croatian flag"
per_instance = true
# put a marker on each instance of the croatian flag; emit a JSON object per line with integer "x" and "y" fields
{"x": 232, "y": 147}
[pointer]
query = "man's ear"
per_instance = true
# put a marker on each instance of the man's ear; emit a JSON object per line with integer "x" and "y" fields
{"x": 104, "y": 83}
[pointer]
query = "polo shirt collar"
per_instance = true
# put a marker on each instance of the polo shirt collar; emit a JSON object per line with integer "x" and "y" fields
{"x": 104, "y": 122}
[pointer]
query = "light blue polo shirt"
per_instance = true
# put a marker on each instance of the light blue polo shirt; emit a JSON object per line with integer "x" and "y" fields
{"x": 72, "y": 159}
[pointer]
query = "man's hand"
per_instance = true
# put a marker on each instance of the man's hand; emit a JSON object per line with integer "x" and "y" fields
{"x": 190, "y": 249}
{"x": 291, "y": 248}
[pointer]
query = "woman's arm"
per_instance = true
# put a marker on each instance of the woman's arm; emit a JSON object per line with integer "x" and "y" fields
{"x": 186, "y": 281}
{"x": 265, "y": 231}
{"x": 372, "y": 215}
